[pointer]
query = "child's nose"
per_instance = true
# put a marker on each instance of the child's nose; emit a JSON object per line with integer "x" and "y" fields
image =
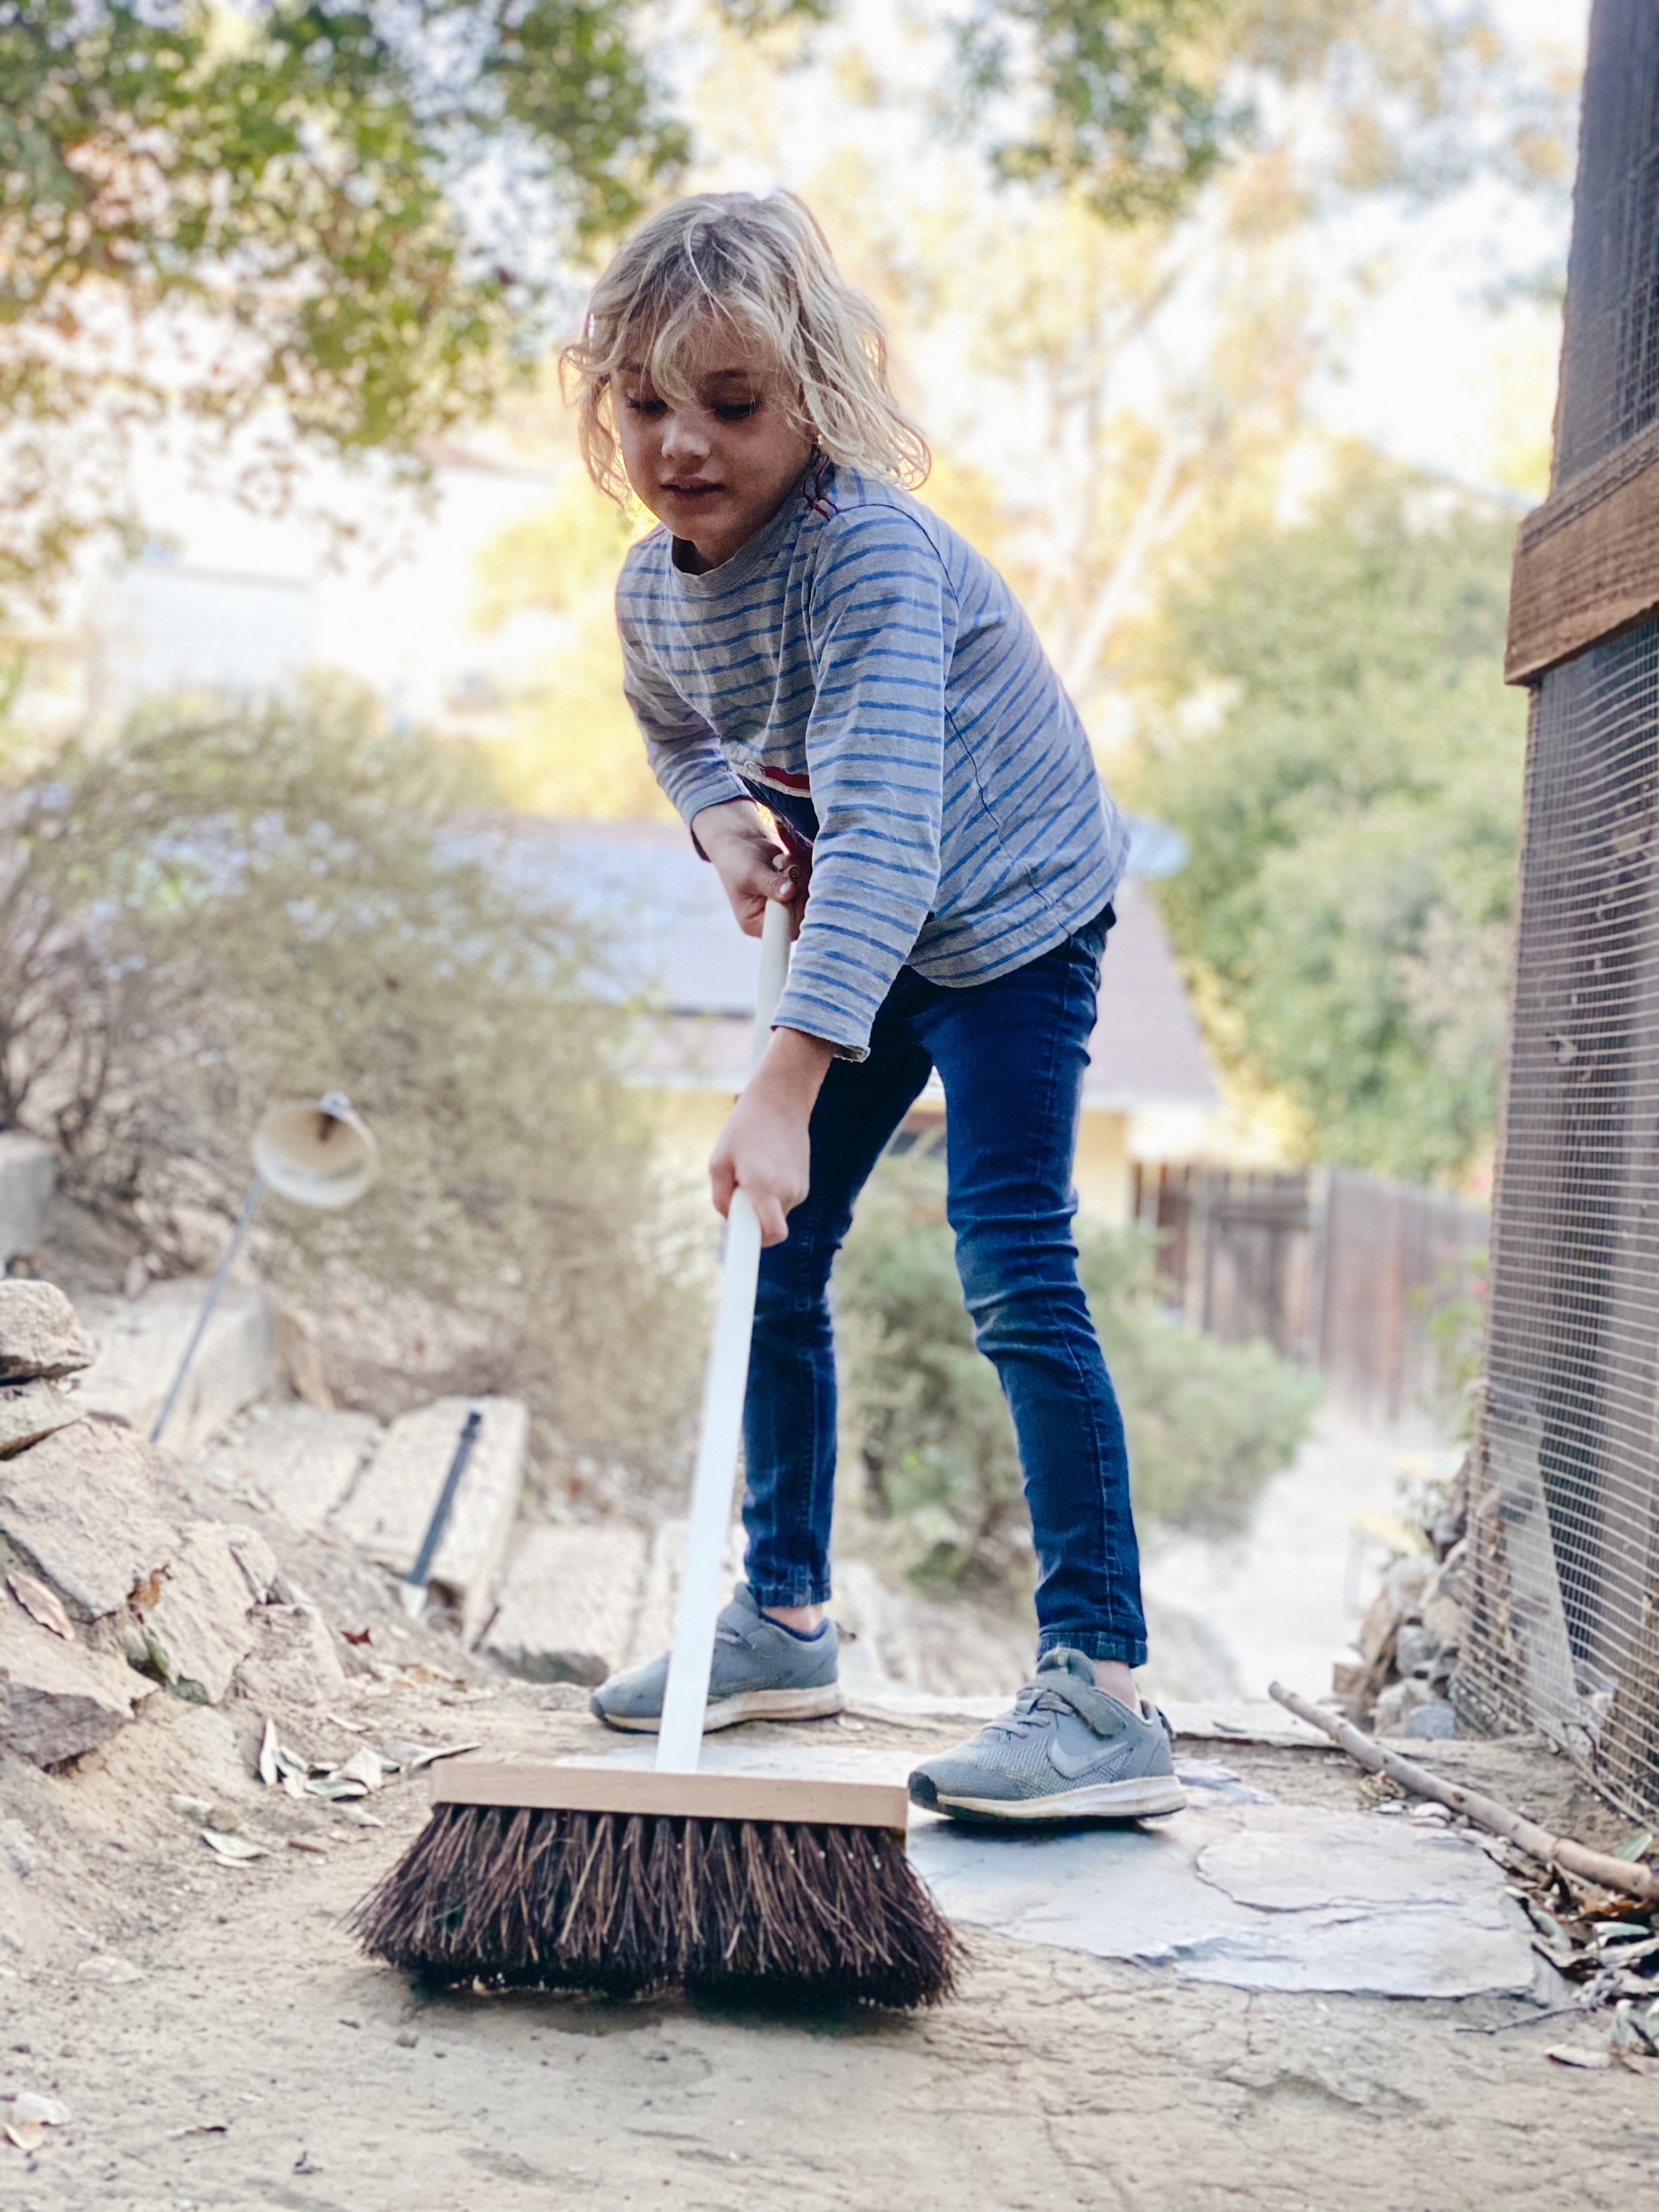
{"x": 683, "y": 437}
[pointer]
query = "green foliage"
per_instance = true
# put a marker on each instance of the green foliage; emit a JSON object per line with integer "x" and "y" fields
{"x": 1344, "y": 757}
{"x": 1135, "y": 103}
{"x": 1208, "y": 1423}
{"x": 233, "y": 211}
{"x": 1124, "y": 101}
{"x": 225, "y": 909}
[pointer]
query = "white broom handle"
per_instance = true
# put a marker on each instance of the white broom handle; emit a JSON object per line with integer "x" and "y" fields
{"x": 685, "y": 1701}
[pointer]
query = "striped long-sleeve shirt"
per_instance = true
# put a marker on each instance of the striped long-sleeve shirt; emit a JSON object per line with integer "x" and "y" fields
{"x": 858, "y": 651}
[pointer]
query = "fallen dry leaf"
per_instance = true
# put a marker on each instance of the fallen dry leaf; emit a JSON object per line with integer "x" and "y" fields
{"x": 227, "y": 1847}
{"x": 148, "y": 1591}
{"x": 357, "y": 1635}
{"x": 42, "y": 1605}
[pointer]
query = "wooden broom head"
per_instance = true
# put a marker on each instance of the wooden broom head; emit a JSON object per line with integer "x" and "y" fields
{"x": 629, "y": 1790}
{"x": 734, "y": 1884}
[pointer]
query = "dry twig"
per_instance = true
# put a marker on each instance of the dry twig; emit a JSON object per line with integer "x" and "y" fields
{"x": 1631, "y": 1880}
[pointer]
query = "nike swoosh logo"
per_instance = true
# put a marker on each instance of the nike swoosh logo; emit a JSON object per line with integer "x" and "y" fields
{"x": 1102, "y": 1763}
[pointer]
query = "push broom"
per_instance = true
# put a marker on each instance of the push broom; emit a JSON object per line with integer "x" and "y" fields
{"x": 628, "y": 1882}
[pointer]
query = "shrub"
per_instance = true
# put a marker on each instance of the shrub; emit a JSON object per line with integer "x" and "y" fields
{"x": 923, "y": 1412}
{"x": 234, "y": 904}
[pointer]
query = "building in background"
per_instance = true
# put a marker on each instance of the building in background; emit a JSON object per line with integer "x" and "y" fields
{"x": 232, "y": 603}
{"x": 672, "y": 948}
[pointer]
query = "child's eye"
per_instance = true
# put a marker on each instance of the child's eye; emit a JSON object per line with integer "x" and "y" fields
{"x": 738, "y": 411}
{"x": 651, "y": 407}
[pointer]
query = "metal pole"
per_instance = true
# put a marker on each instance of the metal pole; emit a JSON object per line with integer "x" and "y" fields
{"x": 413, "y": 1591}
{"x": 256, "y": 1191}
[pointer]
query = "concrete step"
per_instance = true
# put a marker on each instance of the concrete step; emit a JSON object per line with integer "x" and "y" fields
{"x": 387, "y": 1512}
{"x": 569, "y": 1600}
{"x": 140, "y": 1341}
{"x": 295, "y": 1458}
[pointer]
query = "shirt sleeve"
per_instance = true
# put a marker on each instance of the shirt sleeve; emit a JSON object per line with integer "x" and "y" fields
{"x": 683, "y": 751}
{"x": 882, "y": 623}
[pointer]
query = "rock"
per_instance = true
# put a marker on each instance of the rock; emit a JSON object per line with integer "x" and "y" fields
{"x": 40, "y": 1334}
{"x": 1442, "y": 1623}
{"x": 29, "y": 1411}
{"x": 1400, "y": 1700}
{"x": 387, "y": 1511}
{"x": 1437, "y": 1721}
{"x": 303, "y": 1459}
{"x": 1447, "y": 1580}
{"x": 58, "y": 1700}
{"x": 108, "y": 1969}
{"x": 200, "y": 1618}
{"x": 31, "y": 2108}
{"x": 29, "y": 1169}
{"x": 140, "y": 1343}
{"x": 291, "y": 1659}
{"x": 1396, "y": 1600}
{"x": 83, "y": 1506}
{"x": 568, "y": 1598}
{"x": 1441, "y": 1605}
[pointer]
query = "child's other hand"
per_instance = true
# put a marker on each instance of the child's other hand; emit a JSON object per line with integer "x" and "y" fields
{"x": 764, "y": 1150}
{"x": 751, "y": 865}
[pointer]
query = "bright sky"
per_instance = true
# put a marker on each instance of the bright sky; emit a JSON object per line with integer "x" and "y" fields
{"x": 1434, "y": 375}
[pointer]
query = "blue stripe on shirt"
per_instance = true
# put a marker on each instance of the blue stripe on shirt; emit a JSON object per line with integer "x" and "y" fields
{"x": 857, "y": 641}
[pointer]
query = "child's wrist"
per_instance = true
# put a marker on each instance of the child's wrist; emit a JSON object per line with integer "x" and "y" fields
{"x": 791, "y": 1072}
{"x": 728, "y": 818}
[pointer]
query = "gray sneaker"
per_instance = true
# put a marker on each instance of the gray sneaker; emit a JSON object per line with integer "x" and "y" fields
{"x": 761, "y": 1673}
{"x": 1067, "y": 1752}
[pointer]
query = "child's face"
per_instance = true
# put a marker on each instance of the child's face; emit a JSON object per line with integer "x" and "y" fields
{"x": 715, "y": 469}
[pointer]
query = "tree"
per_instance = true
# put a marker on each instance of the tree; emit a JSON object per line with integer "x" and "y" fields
{"x": 1335, "y": 740}
{"x": 335, "y": 225}
{"x": 1142, "y": 353}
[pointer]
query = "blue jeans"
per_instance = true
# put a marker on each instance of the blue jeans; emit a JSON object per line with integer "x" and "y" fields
{"x": 1011, "y": 1055}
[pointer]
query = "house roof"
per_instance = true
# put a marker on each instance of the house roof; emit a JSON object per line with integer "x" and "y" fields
{"x": 671, "y": 945}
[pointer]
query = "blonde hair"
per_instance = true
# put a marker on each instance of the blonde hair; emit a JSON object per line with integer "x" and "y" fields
{"x": 765, "y": 267}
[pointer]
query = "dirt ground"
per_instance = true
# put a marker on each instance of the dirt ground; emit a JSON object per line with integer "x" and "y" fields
{"x": 221, "y": 2043}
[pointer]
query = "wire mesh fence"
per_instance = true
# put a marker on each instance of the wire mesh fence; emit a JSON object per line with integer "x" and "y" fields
{"x": 1564, "y": 1526}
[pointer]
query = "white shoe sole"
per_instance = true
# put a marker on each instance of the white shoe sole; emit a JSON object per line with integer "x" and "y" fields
{"x": 1144, "y": 1798}
{"x": 749, "y": 1706}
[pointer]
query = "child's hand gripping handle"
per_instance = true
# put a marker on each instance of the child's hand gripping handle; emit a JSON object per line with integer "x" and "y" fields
{"x": 686, "y": 1698}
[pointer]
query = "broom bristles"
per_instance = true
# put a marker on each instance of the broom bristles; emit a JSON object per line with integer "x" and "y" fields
{"x": 631, "y": 1904}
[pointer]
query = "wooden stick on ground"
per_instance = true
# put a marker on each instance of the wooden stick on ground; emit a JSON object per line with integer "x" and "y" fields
{"x": 1633, "y": 1879}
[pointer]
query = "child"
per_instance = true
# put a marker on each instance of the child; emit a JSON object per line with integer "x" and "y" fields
{"x": 803, "y": 636}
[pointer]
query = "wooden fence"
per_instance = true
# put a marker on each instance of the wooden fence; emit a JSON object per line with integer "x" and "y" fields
{"x": 1371, "y": 1282}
